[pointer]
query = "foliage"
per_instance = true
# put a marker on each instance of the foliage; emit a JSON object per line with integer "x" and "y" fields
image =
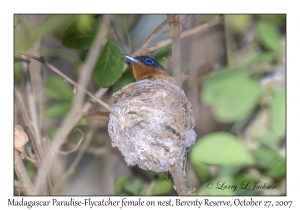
{"x": 109, "y": 66}
{"x": 232, "y": 94}
{"x": 216, "y": 149}
{"x": 125, "y": 186}
{"x": 81, "y": 33}
{"x": 246, "y": 95}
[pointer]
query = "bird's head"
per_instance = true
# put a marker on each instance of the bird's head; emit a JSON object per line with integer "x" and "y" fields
{"x": 145, "y": 67}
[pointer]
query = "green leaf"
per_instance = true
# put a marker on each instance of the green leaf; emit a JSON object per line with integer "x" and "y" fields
{"x": 120, "y": 182}
{"x": 17, "y": 71}
{"x": 200, "y": 168}
{"x": 85, "y": 22}
{"x": 162, "y": 187}
{"x": 143, "y": 191}
{"x": 215, "y": 81}
{"x": 237, "y": 100}
{"x": 27, "y": 35}
{"x": 109, "y": 67}
{"x": 126, "y": 21}
{"x": 125, "y": 186}
{"x": 269, "y": 139}
{"x": 81, "y": 33}
{"x": 126, "y": 78}
{"x": 278, "y": 109}
{"x": 133, "y": 187}
{"x": 243, "y": 182}
{"x": 278, "y": 20}
{"x": 17, "y": 68}
{"x": 163, "y": 52}
{"x": 218, "y": 186}
{"x": 58, "y": 89}
{"x": 221, "y": 148}
{"x": 57, "y": 110}
{"x": 258, "y": 60}
{"x": 232, "y": 95}
{"x": 207, "y": 18}
{"x": 268, "y": 35}
{"x": 31, "y": 169}
{"x": 238, "y": 23}
{"x": 266, "y": 157}
{"x": 278, "y": 170}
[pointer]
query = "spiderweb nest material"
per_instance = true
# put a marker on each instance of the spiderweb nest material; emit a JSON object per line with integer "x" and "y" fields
{"x": 155, "y": 124}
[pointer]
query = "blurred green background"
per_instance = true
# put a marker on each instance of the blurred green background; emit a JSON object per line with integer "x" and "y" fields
{"x": 235, "y": 81}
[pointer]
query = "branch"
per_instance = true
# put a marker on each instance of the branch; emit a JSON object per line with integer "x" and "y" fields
{"x": 179, "y": 180}
{"x": 30, "y": 159}
{"x": 144, "y": 46}
{"x": 66, "y": 78}
{"x": 76, "y": 147}
{"x": 31, "y": 99}
{"x": 185, "y": 34}
{"x": 37, "y": 148}
{"x": 97, "y": 115}
{"x": 25, "y": 183}
{"x": 33, "y": 113}
{"x": 176, "y": 47}
{"x": 74, "y": 114}
{"x": 74, "y": 164}
{"x": 144, "y": 49}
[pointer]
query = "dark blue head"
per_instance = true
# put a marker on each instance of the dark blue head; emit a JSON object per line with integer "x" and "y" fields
{"x": 145, "y": 60}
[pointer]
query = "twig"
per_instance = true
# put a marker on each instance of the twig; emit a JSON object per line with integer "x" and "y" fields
{"x": 185, "y": 34}
{"x": 25, "y": 183}
{"x": 29, "y": 151}
{"x": 97, "y": 116}
{"x": 74, "y": 115}
{"x": 33, "y": 113}
{"x": 37, "y": 148}
{"x": 179, "y": 181}
{"x": 74, "y": 164}
{"x": 176, "y": 47}
{"x": 76, "y": 147}
{"x": 143, "y": 48}
{"x": 91, "y": 150}
{"x": 97, "y": 151}
{"x": 18, "y": 186}
{"x": 30, "y": 159}
{"x": 43, "y": 61}
{"x": 31, "y": 99}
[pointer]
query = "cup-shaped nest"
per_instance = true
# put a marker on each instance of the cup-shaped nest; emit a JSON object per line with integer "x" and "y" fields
{"x": 154, "y": 126}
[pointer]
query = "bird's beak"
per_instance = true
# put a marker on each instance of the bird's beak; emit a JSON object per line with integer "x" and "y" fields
{"x": 130, "y": 59}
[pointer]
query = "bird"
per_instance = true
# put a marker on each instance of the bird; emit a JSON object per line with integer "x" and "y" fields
{"x": 145, "y": 67}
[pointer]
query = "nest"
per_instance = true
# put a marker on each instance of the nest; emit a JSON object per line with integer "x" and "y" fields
{"x": 155, "y": 124}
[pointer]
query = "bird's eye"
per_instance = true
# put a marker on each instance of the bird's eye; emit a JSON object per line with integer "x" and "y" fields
{"x": 148, "y": 61}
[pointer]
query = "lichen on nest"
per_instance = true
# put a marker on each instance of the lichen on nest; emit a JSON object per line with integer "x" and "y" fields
{"x": 154, "y": 126}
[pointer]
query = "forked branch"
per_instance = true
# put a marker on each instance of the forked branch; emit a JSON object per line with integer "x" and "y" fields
{"x": 66, "y": 78}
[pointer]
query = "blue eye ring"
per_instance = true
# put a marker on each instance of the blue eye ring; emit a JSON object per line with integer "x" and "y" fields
{"x": 148, "y": 61}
